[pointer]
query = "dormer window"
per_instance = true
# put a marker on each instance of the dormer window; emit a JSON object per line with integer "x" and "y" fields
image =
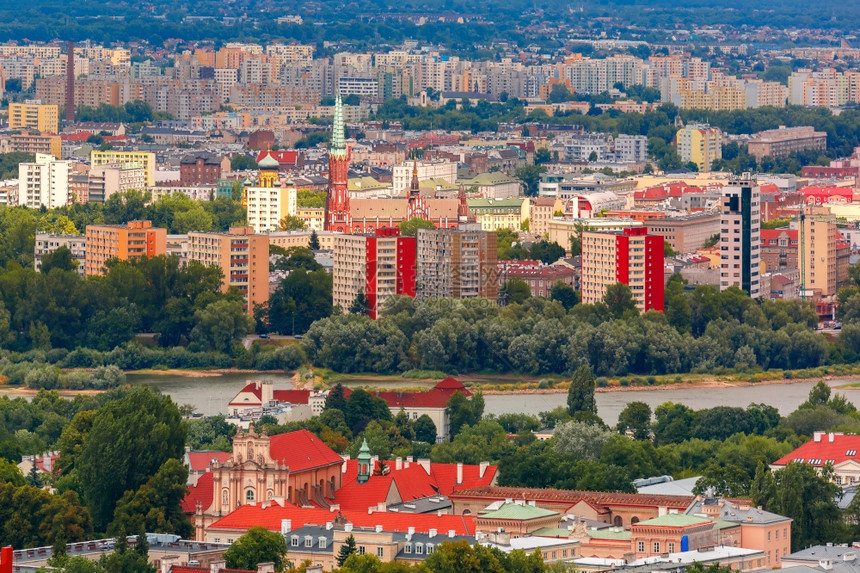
{"x": 407, "y": 548}
{"x": 294, "y": 541}
{"x": 419, "y": 548}
{"x": 309, "y": 541}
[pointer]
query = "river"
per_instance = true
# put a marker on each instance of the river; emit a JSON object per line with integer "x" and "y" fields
{"x": 210, "y": 394}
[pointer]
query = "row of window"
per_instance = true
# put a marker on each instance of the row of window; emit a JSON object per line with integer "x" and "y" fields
{"x": 655, "y": 547}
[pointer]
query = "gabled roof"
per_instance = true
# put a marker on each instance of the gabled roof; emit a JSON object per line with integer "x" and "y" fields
{"x": 292, "y": 396}
{"x": 282, "y": 157}
{"x": 302, "y": 450}
{"x": 834, "y": 448}
{"x": 200, "y": 460}
{"x": 518, "y": 511}
{"x": 202, "y": 492}
{"x": 253, "y": 515}
{"x": 575, "y": 496}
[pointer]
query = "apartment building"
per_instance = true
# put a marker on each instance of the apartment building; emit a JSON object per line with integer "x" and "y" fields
{"x": 700, "y": 144}
{"x": 740, "y": 236}
{"x": 401, "y": 174}
{"x": 243, "y": 258}
{"x": 688, "y": 233}
{"x": 133, "y": 240}
{"x": 44, "y": 183}
{"x": 31, "y": 143}
{"x": 145, "y": 159}
{"x": 785, "y": 141}
{"x": 457, "y": 263}
{"x": 817, "y": 252}
{"x": 268, "y": 202}
{"x": 631, "y": 148}
{"x": 47, "y": 243}
{"x": 202, "y": 168}
{"x": 631, "y": 257}
{"x": 105, "y": 180}
{"x": 33, "y": 114}
{"x": 378, "y": 265}
{"x": 542, "y": 210}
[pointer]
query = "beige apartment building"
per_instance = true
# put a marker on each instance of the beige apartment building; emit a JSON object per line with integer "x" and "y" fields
{"x": 133, "y": 240}
{"x": 817, "y": 237}
{"x": 541, "y": 212}
{"x": 686, "y": 234}
{"x": 33, "y": 114}
{"x": 31, "y": 143}
{"x": 740, "y": 236}
{"x": 243, "y": 258}
{"x": 47, "y": 243}
{"x": 105, "y": 180}
{"x": 785, "y": 141}
{"x": 457, "y": 263}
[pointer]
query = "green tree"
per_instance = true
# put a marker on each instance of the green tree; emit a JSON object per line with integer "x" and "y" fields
{"x": 516, "y": 291}
{"x": 635, "y": 417}
{"x": 564, "y": 294}
{"x": 542, "y": 155}
{"x": 580, "y": 394}
{"x": 464, "y": 411}
{"x": 61, "y": 259}
{"x": 314, "y": 242}
{"x": 348, "y": 548}
{"x": 425, "y": 429}
{"x": 292, "y": 223}
{"x": 530, "y": 176}
{"x": 155, "y": 506}
{"x": 220, "y": 324}
{"x": 410, "y": 228}
{"x": 257, "y": 546}
{"x": 129, "y": 441}
{"x": 360, "y": 304}
{"x": 619, "y": 300}
{"x": 242, "y": 163}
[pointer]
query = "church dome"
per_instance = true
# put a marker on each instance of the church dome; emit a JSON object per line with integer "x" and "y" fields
{"x": 268, "y": 162}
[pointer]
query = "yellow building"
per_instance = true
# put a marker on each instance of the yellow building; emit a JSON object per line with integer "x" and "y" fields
{"x": 700, "y": 144}
{"x": 34, "y": 115}
{"x": 145, "y": 158}
{"x": 817, "y": 251}
{"x": 269, "y": 202}
{"x": 495, "y": 214}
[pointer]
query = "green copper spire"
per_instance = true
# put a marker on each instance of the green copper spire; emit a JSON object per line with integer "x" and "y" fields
{"x": 338, "y": 144}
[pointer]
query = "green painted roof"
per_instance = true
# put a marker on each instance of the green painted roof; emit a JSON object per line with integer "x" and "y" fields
{"x": 720, "y": 524}
{"x": 517, "y": 511}
{"x": 365, "y": 183}
{"x": 609, "y": 533}
{"x": 439, "y": 182}
{"x": 495, "y": 203}
{"x": 674, "y": 520}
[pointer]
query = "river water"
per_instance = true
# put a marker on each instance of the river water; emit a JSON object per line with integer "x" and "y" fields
{"x": 210, "y": 395}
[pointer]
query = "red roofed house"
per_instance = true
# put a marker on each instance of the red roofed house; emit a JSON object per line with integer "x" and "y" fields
{"x": 258, "y": 393}
{"x": 823, "y": 195}
{"x": 286, "y": 159}
{"x": 828, "y": 448}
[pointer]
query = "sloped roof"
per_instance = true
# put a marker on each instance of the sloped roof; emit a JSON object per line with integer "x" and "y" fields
{"x": 267, "y": 161}
{"x": 575, "y": 496}
{"x": 253, "y": 515}
{"x": 673, "y": 520}
{"x": 200, "y": 460}
{"x": 302, "y": 450}
{"x": 841, "y": 449}
{"x": 518, "y": 511}
{"x": 202, "y": 492}
{"x": 282, "y": 157}
{"x": 292, "y": 396}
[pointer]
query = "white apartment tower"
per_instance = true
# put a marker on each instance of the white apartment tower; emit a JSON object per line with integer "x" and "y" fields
{"x": 45, "y": 182}
{"x": 740, "y": 236}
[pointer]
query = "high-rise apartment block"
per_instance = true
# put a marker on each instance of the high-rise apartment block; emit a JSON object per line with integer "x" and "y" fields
{"x": 44, "y": 183}
{"x": 133, "y": 240}
{"x": 817, "y": 234}
{"x": 27, "y": 142}
{"x": 268, "y": 202}
{"x": 33, "y": 114}
{"x": 105, "y": 180}
{"x": 700, "y": 144}
{"x": 457, "y": 263}
{"x": 379, "y": 266}
{"x": 740, "y": 236}
{"x": 785, "y": 141}
{"x": 631, "y": 257}
{"x": 145, "y": 159}
{"x": 242, "y": 256}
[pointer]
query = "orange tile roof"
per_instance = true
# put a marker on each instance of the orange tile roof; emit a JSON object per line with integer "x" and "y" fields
{"x": 302, "y": 451}
{"x": 201, "y": 460}
{"x": 203, "y": 492}
{"x": 575, "y": 496}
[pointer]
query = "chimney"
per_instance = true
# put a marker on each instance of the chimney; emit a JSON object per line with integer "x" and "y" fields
{"x": 345, "y": 460}
{"x": 398, "y": 464}
{"x": 831, "y": 437}
{"x": 459, "y": 473}
{"x": 47, "y": 460}
{"x": 451, "y": 533}
{"x": 347, "y": 527}
{"x": 378, "y": 529}
{"x": 217, "y": 566}
{"x": 816, "y": 436}
{"x": 482, "y": 468}
{"x": 266, "y": 568}
{"x": 373, "y": 461}
{"x": 328, "y": 525}
{"x": 286, "y": 526}
{"x": 424, "y": 463}
{"x": 267, "y": 393}
{"x": 411, "y": 531}
{"x": 433, "y": 533}
{"x": 166, "y": 564}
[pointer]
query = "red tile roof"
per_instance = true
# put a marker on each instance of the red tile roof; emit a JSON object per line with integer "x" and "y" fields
{"x": 435, "y": 397}
{"x": 302, "y": 450}
{"x": 496, "y": 493}
{"x": 834, "y": 448}
{"x": 189, "y": 569}
{"x": 248, "y": 516}
{"x": 283, "y": 157}
{"x": 292, "y": 396}
{"x": 199, "y": 461}
{"x": 202, "y": 492}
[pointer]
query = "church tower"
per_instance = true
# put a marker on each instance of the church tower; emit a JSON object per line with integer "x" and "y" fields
{"x": 337, "y": 213}
{"x": 417, "y": 207}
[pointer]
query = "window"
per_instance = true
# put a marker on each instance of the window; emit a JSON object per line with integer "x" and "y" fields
{"x": 419, "y": 548}
{"x": 430, "y": 548}
{"x": 407, "y": 548}
{"x": 641, "y": 547}
{"x": 361, "y": 549}
{"x": 768, "y": 535}
{"x": 294, "y": 541}
{"x": 249, "y": 495}
{"x": 309, "y": 541}
{"x": 322, "y": 543}
{"x": 656, "y": 547}
{"x": 671, "y": 547}
{"x": 379, "y": 551}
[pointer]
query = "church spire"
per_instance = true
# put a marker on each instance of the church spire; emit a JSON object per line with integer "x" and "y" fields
{"x": 414, "y": 188}
{"x": 338, "y": 143}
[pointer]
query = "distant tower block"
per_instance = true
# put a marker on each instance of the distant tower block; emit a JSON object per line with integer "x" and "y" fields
{"x": 70, "y": 83}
